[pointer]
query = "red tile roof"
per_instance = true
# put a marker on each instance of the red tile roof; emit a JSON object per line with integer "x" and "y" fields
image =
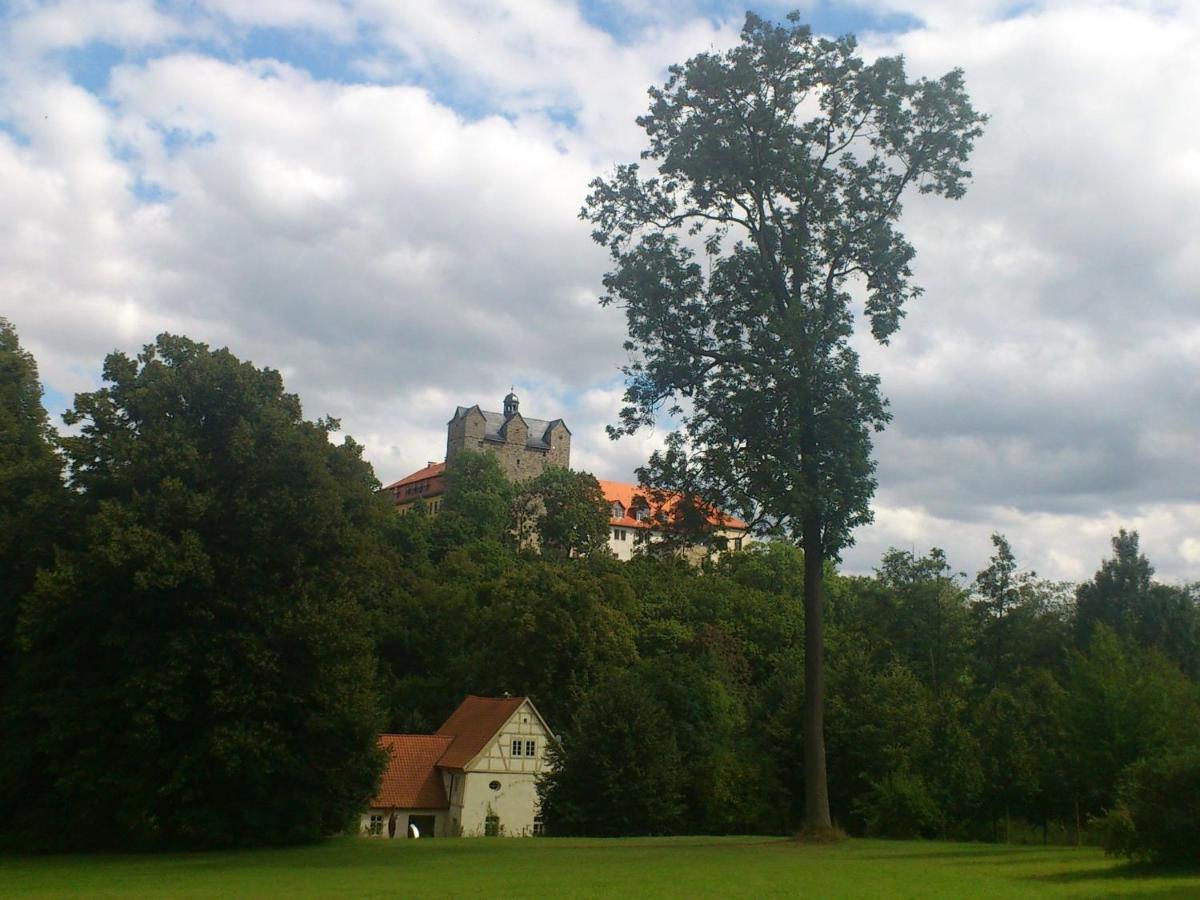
{"x": 411, "y": 779}
{"x": 626, "y": 494}
{"x": 473, "y": 724}
{"x": 430, "y": 471}
{"x": 424, "y": 484}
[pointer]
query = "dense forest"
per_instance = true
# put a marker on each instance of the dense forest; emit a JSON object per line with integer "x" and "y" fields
{"x": 208, "y": 612}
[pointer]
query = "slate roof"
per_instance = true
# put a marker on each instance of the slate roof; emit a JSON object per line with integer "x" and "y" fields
{"x": 411, "y": 779}
{"x": 539, "y": 429}
{"x": 473, "y": 724}
{"x": 626, "y": 494}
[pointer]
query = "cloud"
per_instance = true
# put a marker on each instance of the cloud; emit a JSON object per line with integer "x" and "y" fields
{"x": 394, "y": 227}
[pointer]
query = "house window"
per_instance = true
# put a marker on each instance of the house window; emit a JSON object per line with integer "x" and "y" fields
{"x": 516, "y": 747}
{"x": 531, "y": 748}
{"x": 539, "y": 826}
{"x": 617, "y": 511}
{"x": 491, "y": 826}
{"x": 737, "y": 543}
{"x": 376, "y": 826}
{"x": 620, "y": 534}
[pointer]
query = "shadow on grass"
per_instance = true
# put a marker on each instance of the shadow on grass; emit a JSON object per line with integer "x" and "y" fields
{"x": 983, "y": 851}
{"x": 1125, "y": 872}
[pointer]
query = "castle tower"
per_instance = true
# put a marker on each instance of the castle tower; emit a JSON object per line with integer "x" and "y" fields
{"x": 525, "y": 447}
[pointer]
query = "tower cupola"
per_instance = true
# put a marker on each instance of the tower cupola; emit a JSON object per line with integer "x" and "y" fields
{"x": 511, "y": 404}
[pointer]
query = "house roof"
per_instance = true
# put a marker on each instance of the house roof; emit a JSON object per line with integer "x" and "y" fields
{"x": 629, "y": 495}
{"x": 539, "y": 429}
{"x": 432, "y": 470}
{"x": 473, "y": 724}
{"x": 411, "y": 779}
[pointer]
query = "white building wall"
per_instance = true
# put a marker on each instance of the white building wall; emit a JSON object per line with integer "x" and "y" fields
{"x": 440, "y": 828}
{"x": 514, "y": 798}
{"x": 624, "y": 541}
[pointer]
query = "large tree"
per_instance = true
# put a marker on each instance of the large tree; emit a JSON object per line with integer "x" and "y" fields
{"x": 32, "y": 493}
{"x": 780, "y": 168}
{"x": 197, "y": 669}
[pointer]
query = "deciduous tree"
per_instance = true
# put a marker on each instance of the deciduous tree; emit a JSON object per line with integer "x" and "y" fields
{"x": 197, "y": 671}
{"x": 780, "y": 169}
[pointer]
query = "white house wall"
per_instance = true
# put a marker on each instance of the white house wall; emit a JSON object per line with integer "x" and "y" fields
{"x": 514, "y": 800}
{"x": 624, "y": 548}
{"x": 440, "y": 828}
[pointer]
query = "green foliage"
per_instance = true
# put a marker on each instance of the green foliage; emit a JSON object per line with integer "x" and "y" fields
{"x": 792, "y": 206}
{"x": 1123, "y": 597}
{"x": 786, "y": 156}
{"x": 198, "y": 671}
{"x": 567, "y": 513}
{"x": 1122, "y": 703}
{"x": 33, "y": 498}
{"x": 552, "y": 631}
{"x": 619, "y": 770}
{"x": 477, "y": 504}
{"x": 225, "y": 596}
{"x": 1158, "y": 816}
{"x": 899, "y": 806}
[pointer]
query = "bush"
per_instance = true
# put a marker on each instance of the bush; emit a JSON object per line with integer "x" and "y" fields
{"x": 1158, "y": 814}
{"x": 899, "y": 806}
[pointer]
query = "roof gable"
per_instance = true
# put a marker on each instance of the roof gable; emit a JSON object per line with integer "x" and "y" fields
{"x": 473, "y": 725}
{"x": 631, "y": 496}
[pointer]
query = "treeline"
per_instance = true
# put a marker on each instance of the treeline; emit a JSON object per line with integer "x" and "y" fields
{"x": 209, "y": 611}
{"x": 1002, "y": 707}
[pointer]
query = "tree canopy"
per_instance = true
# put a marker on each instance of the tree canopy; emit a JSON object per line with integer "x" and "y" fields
{"x": 197, "y": 670}
{"x": 781, "y": 164}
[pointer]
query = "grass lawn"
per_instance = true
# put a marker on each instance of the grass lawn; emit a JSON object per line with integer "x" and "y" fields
{"x": 634, "y": 867}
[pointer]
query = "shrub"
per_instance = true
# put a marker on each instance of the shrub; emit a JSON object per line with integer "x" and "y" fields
{"x": 1158, "y": 814}
{"x": 899, "y": 806}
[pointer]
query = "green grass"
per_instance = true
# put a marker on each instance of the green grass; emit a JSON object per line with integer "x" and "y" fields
{"x": 645, "y": 867}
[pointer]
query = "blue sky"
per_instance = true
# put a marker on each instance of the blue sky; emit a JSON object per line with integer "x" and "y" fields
{"x": 380, "y": 200}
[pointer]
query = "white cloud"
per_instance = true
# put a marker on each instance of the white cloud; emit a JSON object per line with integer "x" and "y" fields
{"x": 400, "y": 247}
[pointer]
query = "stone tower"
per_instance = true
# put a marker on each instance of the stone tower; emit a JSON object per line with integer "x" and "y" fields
{"x": 525, "y": 447}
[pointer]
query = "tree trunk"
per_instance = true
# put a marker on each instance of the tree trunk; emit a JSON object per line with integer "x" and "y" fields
{"x": 816, "y": 785}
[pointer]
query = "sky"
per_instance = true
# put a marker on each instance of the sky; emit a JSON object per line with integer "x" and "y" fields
{"x": 380, "y": 199}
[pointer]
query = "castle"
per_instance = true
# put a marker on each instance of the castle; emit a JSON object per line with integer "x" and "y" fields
{"x": 525, "y": 448}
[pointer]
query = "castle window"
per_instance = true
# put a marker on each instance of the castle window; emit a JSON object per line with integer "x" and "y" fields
{"x": 516, "y": 747}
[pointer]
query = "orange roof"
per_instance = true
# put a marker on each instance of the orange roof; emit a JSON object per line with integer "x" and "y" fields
{"x": 411, "y": 779}
{"x": 430, "y": 471}
{"x": 473, "y": 724}
{"x": 626, "y": 494}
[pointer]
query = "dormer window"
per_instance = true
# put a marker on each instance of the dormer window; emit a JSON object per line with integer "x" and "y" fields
{"x": 617, "y": 511}
{"x": 640, "y": 512}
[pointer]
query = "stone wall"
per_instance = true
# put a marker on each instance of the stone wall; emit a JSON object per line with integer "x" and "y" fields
{"x": 518, "y": 461}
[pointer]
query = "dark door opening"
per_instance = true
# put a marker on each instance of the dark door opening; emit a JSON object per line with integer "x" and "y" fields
{"x": 424, "y": 825}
